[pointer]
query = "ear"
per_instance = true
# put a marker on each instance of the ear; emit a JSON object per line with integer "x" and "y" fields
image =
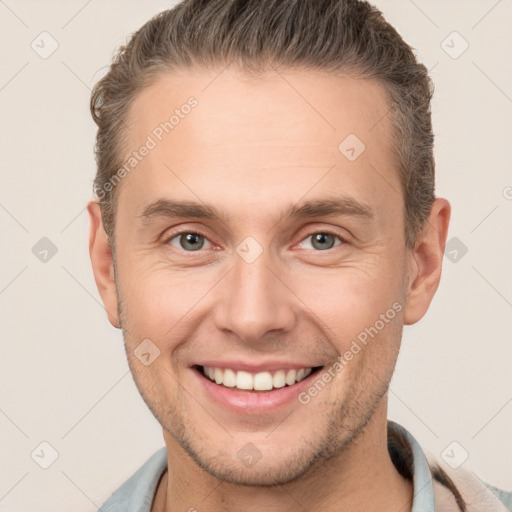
{"x": 425, "y": 262}
{"x": 102, "y": 263}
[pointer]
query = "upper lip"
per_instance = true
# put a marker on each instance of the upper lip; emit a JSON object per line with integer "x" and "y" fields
{"x": 257, "y": 367}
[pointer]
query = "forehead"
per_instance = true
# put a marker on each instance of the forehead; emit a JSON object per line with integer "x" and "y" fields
{"x": 278, "y": 106}
{"x": 279, "y": 134}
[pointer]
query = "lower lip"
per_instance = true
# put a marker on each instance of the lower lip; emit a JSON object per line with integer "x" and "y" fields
{"x": 253, "y": 402}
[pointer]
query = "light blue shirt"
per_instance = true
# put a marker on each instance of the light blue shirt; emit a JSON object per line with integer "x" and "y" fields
{"x": 136, "y": 494}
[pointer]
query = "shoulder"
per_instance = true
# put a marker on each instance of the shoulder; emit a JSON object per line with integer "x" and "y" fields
{"x": 438, "y": 485}
{"x": 504, "y": 496}
{"x": 477, "y": 495}
{"x": 136, "y": 494}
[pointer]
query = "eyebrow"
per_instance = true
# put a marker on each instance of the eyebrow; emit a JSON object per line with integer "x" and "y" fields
{"x": 343, "y": 206}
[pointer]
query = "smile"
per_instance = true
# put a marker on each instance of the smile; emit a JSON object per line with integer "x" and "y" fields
{"x": 261, "y": 381}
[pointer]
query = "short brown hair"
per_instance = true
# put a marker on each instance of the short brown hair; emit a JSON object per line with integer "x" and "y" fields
{"x": 349, "y": 36}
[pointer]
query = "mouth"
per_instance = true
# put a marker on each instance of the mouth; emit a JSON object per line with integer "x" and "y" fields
{"x": 264, "y": 381}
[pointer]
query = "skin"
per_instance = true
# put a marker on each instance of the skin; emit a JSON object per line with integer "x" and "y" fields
{"x": 251, "y": 148}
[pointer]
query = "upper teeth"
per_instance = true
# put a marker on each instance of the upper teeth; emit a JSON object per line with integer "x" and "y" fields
{"x": 260, "y": 381}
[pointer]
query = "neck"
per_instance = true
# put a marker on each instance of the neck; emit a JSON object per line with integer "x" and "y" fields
{"x": 360, "y": 478}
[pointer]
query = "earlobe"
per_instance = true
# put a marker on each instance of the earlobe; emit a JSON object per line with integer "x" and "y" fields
{"x": 102, "y": 263}
{"x": 425, "y": 263}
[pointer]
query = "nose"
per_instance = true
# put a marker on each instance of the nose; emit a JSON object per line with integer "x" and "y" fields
{"x": 254, "y": 301}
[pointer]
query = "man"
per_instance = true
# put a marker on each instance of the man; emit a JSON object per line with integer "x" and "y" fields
{"x": 266, "y": 224}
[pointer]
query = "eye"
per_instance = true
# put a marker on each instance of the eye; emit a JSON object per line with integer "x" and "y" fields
{"x": 188, "y": 241}
{"x": 322, "y": 240}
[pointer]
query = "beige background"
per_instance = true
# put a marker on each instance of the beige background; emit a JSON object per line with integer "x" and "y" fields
{"x": 64, "y": 376}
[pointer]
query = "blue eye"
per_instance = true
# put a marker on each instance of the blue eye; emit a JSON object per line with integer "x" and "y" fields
{"x": 189, "y": 241}
{"x": 323, "y": 240}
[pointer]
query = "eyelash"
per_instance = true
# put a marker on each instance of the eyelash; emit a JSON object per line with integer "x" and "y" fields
{"x": 197, "y": 232}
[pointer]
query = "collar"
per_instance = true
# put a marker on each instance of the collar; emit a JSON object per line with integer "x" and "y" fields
{"x": 423, "y": 500}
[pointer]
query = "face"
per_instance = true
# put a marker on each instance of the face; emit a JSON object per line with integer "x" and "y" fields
{"x": 250, "y": 247}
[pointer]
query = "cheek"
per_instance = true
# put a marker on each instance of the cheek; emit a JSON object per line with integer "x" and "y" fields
{"x": 349, "y": 301}
{"x": 158, "y": 301}
{"x": 161, "y": 303}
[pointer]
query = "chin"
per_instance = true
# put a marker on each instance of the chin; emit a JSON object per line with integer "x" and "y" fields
{"x": 263, "y": 473}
